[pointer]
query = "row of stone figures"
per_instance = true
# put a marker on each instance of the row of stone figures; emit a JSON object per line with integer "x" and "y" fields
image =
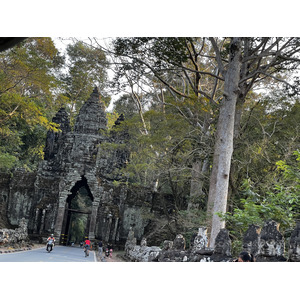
{"x": 265, "y": 244}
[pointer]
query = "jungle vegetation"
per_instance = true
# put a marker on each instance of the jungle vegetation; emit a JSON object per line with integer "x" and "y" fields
{"x": 176, "y": 95}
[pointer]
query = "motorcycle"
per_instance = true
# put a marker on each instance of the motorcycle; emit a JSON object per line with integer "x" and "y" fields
{"x": 50, "y": 245}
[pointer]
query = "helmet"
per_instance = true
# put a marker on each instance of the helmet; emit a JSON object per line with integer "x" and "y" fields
{"x": 52, "y": 235}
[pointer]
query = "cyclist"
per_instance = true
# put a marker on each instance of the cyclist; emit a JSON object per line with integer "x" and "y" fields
{"x": 87, "y": 245}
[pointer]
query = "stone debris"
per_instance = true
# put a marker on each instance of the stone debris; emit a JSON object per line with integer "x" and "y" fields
{"x": 16, "y": 238}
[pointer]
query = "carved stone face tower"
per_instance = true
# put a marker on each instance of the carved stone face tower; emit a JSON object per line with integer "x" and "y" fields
{"x": 91, "y": 117}
{"x": 75, "y": 181}
{"x": 81, "y": 173}
{"x": 70, "y": 158}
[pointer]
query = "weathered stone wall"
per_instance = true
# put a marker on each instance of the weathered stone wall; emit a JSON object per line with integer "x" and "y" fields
{"x": 21, "y": 196}
{"x": 4, "y": 195}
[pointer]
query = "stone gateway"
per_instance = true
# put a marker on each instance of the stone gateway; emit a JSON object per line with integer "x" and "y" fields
{"x": 74, "y": 184}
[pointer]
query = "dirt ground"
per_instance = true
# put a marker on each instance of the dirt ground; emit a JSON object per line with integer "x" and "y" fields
{"x": 11, "y": 249}
{"x": 116, "y": 257}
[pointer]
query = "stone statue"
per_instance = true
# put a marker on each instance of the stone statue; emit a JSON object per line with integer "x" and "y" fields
{"x": 167, "y": 245}
{"x": 222, "y": 251}
{"x": 294, "y": 247}
{"x": 200, "y": 241}
{"x": 179, "y": 242}
{"x": 271, "y": 243}
{"x": 143, "y": 242}
{"x": 200, "y": 250}
{"x": 251, "y": 240}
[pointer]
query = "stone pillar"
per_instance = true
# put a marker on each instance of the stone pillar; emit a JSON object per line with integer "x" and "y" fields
{"x": 93, "y": 220}
{"x": 35, "y": 230}
{"x": 42, "y": 221}
{"x": 108, "y": 229}
{"x": 115, "y": 229}
{"x": 59, "y": 220}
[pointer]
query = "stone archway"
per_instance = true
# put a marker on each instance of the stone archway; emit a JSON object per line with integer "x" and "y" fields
{"x": 77, "y": 213}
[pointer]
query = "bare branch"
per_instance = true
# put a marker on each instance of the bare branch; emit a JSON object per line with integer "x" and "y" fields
{"x": 10, "y": 114}
{"x": 218, "y": 55}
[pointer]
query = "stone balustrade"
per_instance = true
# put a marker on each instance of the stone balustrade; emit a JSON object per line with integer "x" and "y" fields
{"x": 266, "y": 244}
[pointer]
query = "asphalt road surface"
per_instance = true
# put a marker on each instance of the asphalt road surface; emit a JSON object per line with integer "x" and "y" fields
{"x": 59, "y": 254}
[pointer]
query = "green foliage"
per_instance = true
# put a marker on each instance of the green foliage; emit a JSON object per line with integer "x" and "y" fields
{"x": 86, "y": 68}
{"x": 189, "y": 223}
{"x": 111, "y": 119}
{"x": 162, "y": 50}
{"x": 27, "y": 78}
{"x": 281, "y": 203}
{"x": 124, "y": 105}
{"x": 35, "y": 81}
{"x": 7, "y": 161}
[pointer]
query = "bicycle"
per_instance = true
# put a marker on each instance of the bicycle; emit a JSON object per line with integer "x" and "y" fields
{"x": 86, "y": 251}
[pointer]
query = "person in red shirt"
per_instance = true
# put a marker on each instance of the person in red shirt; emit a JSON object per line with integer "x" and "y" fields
{"x": 87, "y": 245}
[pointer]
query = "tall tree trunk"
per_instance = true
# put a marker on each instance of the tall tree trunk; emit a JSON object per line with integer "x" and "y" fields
{"x": 218, "y": 189}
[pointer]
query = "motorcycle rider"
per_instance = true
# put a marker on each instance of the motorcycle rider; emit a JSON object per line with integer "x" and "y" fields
{"x": 50, "y": 242}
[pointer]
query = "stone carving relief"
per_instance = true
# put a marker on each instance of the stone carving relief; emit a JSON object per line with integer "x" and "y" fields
{"x": 271, "y": 243}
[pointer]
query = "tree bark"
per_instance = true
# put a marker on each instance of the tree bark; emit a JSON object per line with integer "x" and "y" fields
{"x": 218, "y": 190}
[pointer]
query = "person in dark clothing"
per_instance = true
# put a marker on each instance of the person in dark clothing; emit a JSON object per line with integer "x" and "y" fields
{"x": 245, "y": 257}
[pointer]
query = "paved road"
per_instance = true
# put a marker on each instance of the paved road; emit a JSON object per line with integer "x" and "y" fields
{"x": 59, "y": 254}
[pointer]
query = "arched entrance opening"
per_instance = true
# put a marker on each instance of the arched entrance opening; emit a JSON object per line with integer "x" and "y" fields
{"x": 77, "y": 214}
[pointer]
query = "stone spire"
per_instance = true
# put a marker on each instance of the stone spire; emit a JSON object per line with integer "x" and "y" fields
{"x": 62, "y": 119}
{"x": 92, "y": 116}
{"x": 53, "y": 138}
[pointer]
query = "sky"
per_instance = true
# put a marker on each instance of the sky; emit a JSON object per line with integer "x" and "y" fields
{"x": 61, "y": 43}
{"x": 155, "y": 18}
